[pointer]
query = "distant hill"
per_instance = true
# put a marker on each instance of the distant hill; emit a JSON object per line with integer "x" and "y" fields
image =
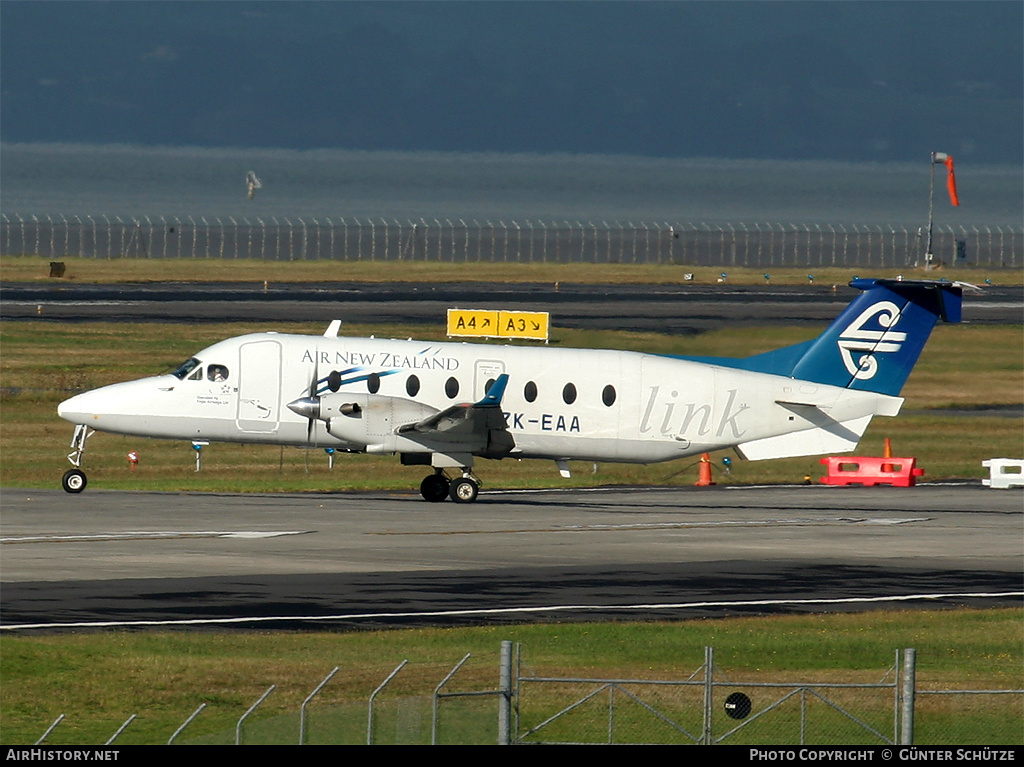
{"x": 787, "y": 80}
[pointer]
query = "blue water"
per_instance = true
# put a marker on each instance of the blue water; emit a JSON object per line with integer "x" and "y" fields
{"x": 128, "y": 181}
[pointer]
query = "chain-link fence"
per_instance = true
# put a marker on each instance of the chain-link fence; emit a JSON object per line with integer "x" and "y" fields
{"x": 425, "y": 704}
{"x": 759, "y": 245}
{"x": 712, "y": 706}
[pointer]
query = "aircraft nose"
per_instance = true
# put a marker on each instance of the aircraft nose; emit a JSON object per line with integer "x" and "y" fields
{"x": 131, "y": 399}
{"x": 76, "y": 409}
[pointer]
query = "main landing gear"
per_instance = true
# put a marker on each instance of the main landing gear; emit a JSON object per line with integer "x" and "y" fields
{"x": 74, "y": 480}
{"x": 436, "y": 487}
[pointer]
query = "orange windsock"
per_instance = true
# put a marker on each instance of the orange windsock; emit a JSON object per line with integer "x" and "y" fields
{"x": 947, "y": 160}
{"x": 951, "y": 181}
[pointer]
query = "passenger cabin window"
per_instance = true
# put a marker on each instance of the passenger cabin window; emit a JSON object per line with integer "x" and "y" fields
{"x": 373, "y": 383}
{"x": 217, "y": 373}
{"x": 530, "y": 391}
{"x": 451, "y": 388}
{"x": 412, "y": 386}
{"x": 608, "y": 395}
{"x": 569, "y": 394}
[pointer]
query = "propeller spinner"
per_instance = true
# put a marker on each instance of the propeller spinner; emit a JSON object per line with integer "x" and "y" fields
{"x": 309, "y": 407}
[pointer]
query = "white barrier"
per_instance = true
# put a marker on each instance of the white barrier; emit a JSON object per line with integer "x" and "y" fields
{"x": 1004, "y": 472}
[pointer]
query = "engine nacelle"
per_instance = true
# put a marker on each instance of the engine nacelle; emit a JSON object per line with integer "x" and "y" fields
{"x": 370, "y": 420}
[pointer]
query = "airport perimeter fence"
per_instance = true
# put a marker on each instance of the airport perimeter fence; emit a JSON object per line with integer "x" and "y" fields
{"x": 460, "y": 705}
{"x": 761, "y": 245}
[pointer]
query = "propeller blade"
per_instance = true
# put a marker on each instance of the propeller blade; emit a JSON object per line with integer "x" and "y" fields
{"x": 310, "y": 423}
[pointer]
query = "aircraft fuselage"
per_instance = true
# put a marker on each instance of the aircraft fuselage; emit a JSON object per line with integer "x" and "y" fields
{"x": 589, "y": 404}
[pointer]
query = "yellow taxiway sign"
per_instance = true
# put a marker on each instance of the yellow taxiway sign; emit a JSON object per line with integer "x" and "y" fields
{"x": 485, "y": 323}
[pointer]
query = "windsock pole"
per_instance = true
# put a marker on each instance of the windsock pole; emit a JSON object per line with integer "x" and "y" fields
{"x": 931, "y": 217}
{"x": 947, "y": 160}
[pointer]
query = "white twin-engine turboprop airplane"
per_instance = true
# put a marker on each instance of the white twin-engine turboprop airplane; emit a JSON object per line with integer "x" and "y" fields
{"x": 444, "y": 404}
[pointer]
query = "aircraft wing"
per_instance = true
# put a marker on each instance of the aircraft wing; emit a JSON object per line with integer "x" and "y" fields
{"x": 478, "y": 427}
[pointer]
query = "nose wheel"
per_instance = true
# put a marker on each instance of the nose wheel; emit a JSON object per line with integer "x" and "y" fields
{"x": 74, "y": 481}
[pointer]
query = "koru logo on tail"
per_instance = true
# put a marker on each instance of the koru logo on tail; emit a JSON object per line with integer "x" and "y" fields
{"x": 855, "y": 338}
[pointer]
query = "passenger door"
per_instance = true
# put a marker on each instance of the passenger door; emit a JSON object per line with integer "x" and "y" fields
{"x": 259, "y": 387}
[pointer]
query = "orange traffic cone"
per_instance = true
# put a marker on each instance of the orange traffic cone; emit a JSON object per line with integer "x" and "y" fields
{"x": 887, "y": 453}
{"x": 705, "y": 471}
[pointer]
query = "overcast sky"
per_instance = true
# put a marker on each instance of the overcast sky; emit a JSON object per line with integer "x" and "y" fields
{"x": 884, "y": 81}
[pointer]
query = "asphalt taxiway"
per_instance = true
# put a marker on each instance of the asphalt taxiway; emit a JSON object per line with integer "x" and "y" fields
{"x": 106, "y": 558}
{"x": 670, "y": 308}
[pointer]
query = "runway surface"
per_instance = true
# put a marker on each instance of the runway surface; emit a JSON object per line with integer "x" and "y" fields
{"x": 678, "y": 309}
{"x": 372, "y": 559}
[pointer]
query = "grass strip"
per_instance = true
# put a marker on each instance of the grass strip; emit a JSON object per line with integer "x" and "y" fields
{"x": 99, "y": 679}
{"x": 134, "y": 270}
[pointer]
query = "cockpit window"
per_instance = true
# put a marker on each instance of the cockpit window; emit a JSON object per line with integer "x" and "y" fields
{"x": 185, "y": 368}
{"x": 217, "y": 373}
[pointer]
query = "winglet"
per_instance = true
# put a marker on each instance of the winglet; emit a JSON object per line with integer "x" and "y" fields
{"x": 495, "y": 393}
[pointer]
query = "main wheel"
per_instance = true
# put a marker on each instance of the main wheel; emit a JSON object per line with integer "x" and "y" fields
{"x": 464, "y": 490}
{"x": 434, "y": 487}
{"x": 74, "y": 481}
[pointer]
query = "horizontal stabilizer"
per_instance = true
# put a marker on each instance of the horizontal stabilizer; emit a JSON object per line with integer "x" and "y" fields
{"x": 838, "y": 437}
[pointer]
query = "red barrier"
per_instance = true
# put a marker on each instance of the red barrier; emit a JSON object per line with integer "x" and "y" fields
{"x": 898, "y": 472}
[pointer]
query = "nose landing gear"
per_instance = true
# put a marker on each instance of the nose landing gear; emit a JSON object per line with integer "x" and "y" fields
{"x": 74, "y": 480}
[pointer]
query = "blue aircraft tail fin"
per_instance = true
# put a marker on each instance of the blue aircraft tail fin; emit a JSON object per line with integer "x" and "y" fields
{"x": 873, "y": 344}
